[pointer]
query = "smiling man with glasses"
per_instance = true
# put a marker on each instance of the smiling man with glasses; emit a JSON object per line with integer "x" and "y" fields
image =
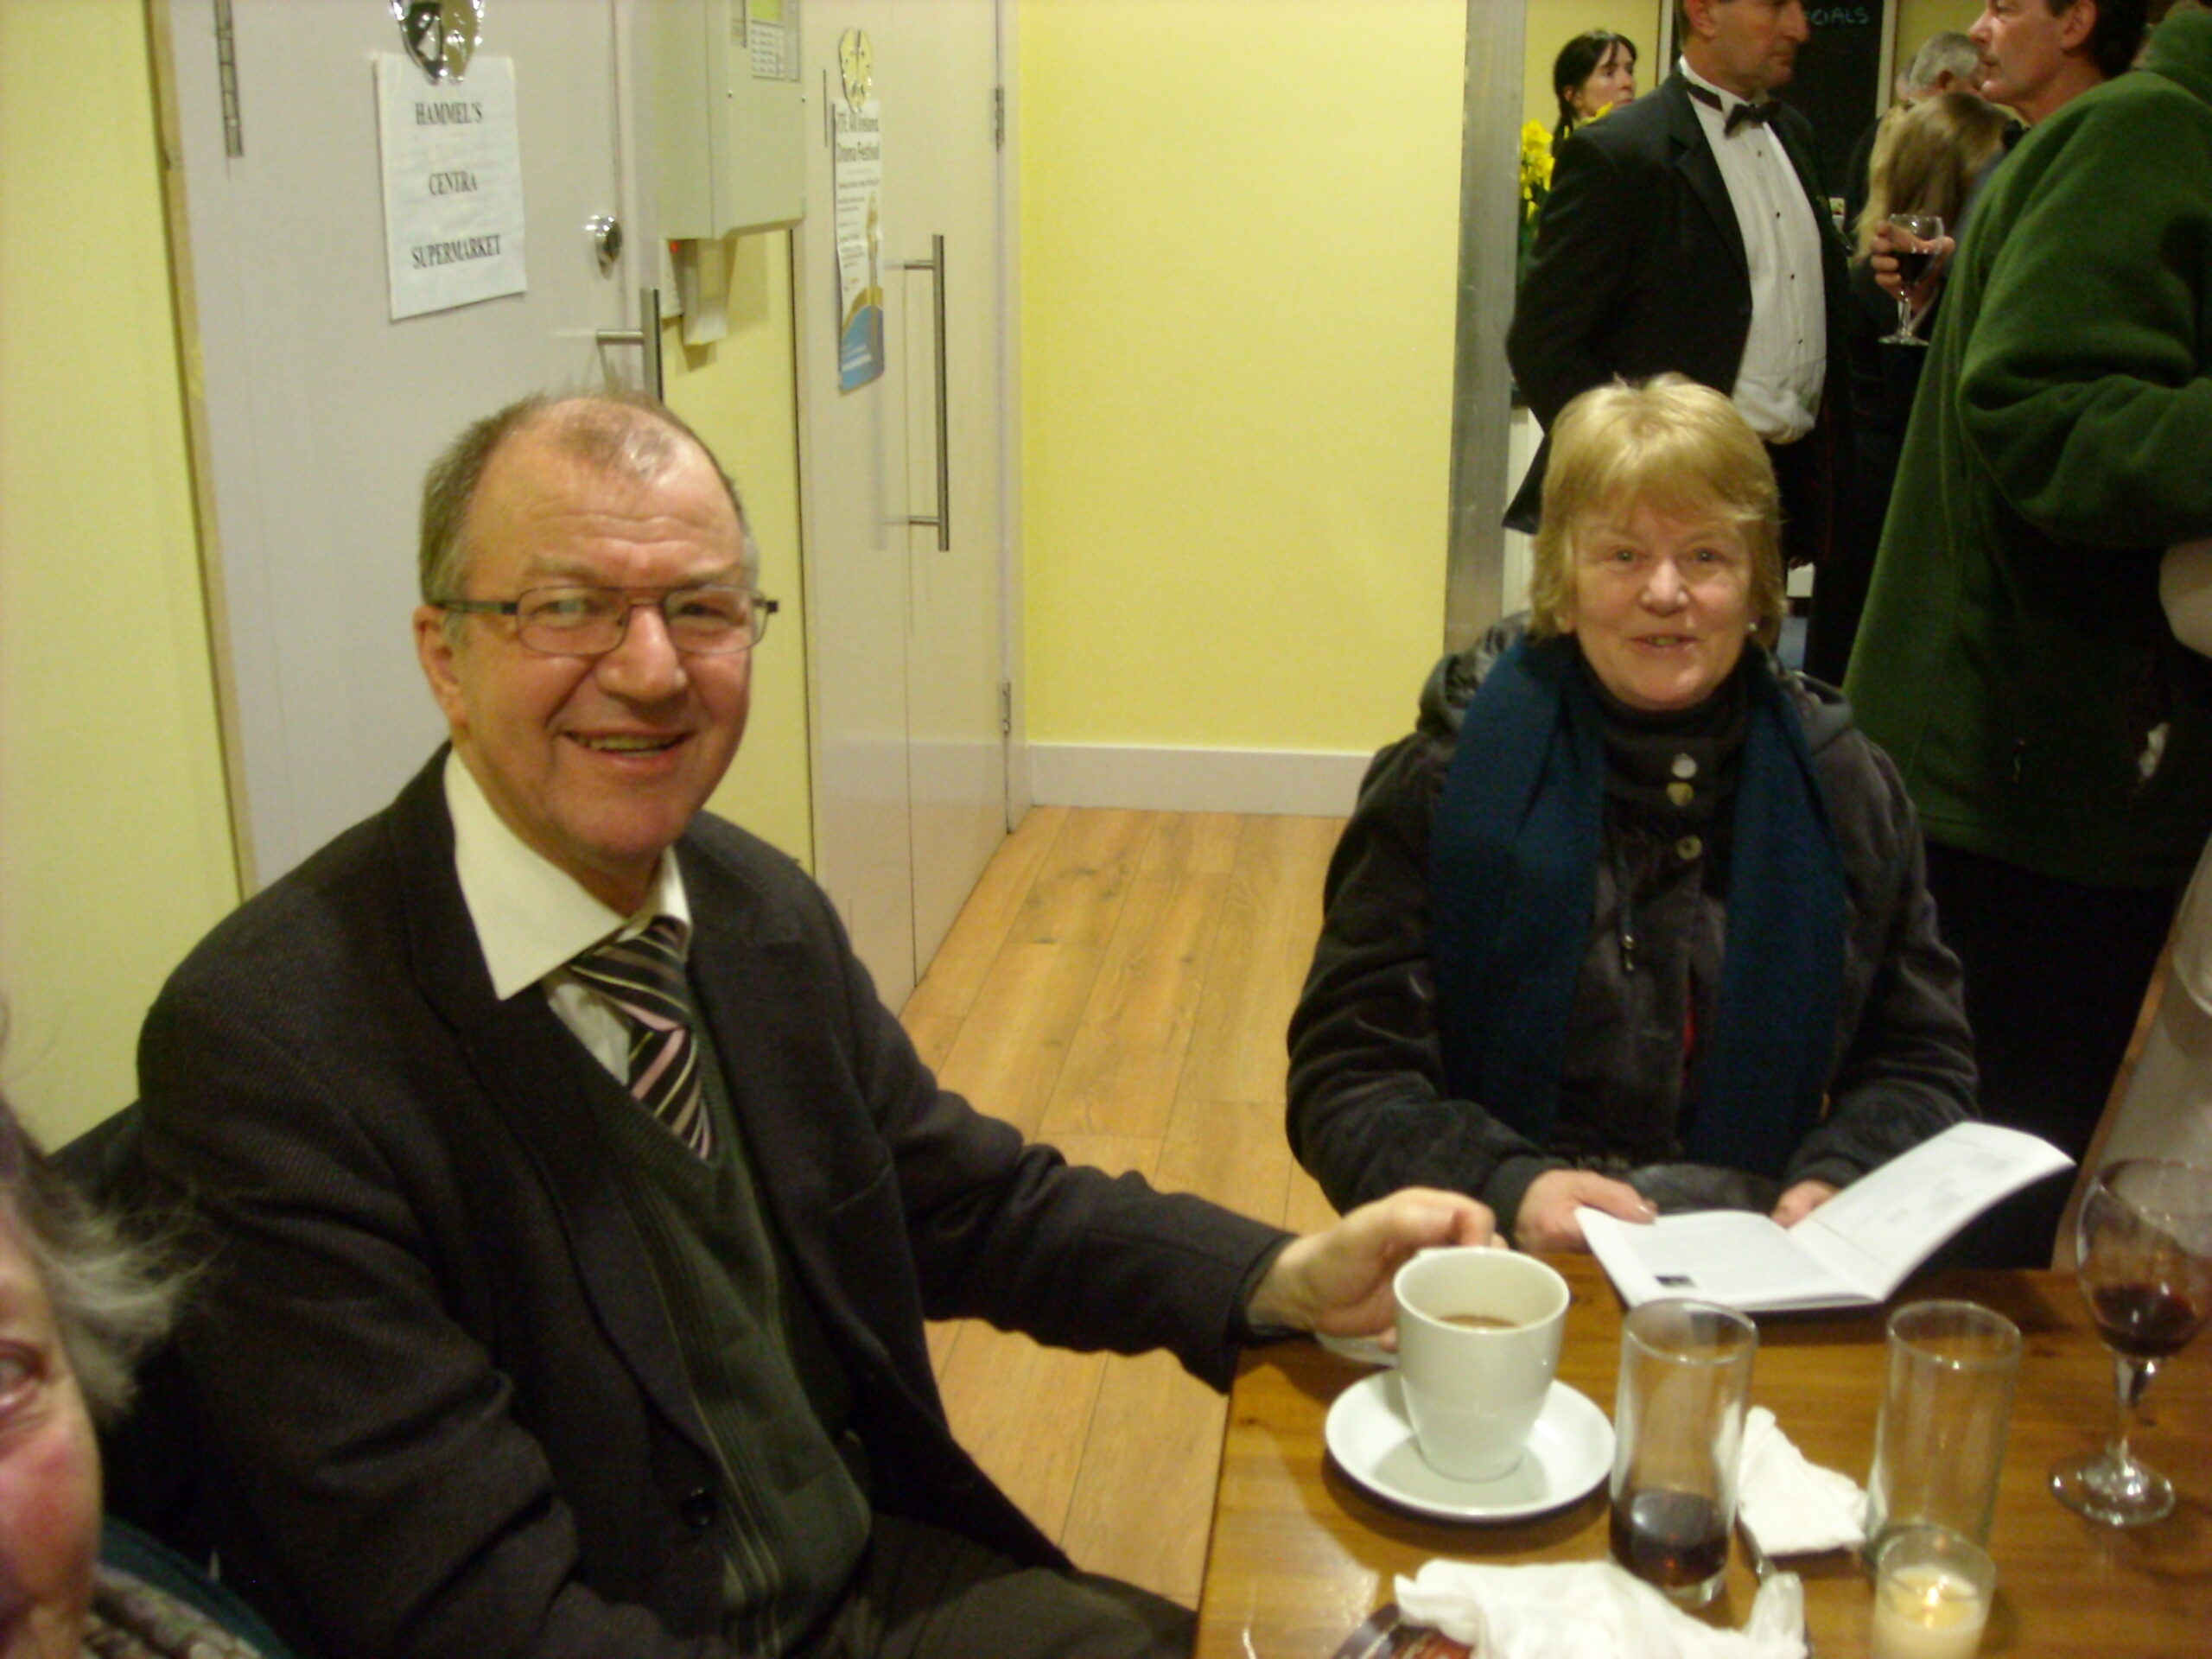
{"x": 573, "y": 1206}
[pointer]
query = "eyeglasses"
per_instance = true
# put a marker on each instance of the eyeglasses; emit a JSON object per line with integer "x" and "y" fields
{"x": 711, "y": 620}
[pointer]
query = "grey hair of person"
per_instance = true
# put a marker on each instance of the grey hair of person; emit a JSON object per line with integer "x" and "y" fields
{"x": 1676, "y": 447}
{"x": 113, "y": 1297}
{"x": 623, "y": 433}
{"x": 1946, "y": 53}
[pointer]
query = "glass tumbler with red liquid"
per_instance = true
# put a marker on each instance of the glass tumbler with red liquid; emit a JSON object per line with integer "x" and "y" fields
{"x": 2144, "y": 1245}
{"x": 1678, "y": 1418}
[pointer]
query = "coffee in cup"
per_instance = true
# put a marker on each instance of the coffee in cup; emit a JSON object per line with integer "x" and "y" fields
{"x": 1478, "y": 1341}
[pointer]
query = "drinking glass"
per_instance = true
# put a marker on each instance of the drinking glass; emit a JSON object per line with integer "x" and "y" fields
{"x": 1686, "y": 1378}
{"x": 1946, "y": 1402}
{"x": 2144, "y": 1237}
{"x": 1914, "y": 255}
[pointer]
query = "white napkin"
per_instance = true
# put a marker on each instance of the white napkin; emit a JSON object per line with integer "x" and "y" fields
{"x": 1590, "y": 1610}
{"x": 1791, "y": 1506}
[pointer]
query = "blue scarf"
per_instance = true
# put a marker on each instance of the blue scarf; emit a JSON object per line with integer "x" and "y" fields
{"x": 1513, "y": 878}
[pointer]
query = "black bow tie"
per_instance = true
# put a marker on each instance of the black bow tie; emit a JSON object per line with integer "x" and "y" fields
{"x": 1754, "y": 114}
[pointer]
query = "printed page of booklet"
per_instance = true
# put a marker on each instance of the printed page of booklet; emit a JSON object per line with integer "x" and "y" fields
{"x": 1851, "y": 1252}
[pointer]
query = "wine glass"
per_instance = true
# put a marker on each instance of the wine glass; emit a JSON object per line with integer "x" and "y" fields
{"x": 1914, "y": 255}
{"x": 2145, "y": 1250}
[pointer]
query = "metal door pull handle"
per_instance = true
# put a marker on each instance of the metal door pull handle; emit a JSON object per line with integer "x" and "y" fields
{"x": 943, "y": 519}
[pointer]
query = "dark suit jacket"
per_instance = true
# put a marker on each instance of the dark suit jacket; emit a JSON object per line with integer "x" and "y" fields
{"x": 448, "y": 1414}
{"x": 1639, "y": 267}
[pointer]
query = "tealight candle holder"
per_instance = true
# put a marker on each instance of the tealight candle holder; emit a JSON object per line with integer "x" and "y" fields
{"x": 1932, "y": 1594}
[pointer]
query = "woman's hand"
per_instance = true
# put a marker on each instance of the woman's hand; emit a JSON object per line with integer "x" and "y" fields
{"x": 1800, "y": 1200}
{"x": 1547, "y": 1221}
{"x": 1884, "y": 262}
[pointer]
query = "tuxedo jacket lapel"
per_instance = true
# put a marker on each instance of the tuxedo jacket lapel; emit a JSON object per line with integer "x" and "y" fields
{"x": 1694, "y": 160}
{"x": 537, "y": 1074}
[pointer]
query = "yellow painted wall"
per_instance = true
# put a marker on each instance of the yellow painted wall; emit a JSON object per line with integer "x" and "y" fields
{"x": 738, "y": 394}
{"x": 1238, "y": 260}
{"x": 1552, "y": 23}
{"x": 1918, "y": 19}
{"x": 115, "y": 851}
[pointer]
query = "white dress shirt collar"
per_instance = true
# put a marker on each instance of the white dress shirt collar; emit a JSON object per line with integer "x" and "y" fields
{"x": 532, "y": 917}
{"x": 1728, "y": 100}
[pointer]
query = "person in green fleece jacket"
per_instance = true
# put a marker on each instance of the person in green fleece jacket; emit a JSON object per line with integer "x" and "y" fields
{"x": 2014, "y": 659}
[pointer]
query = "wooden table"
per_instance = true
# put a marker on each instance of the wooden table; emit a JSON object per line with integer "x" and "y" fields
{"x": 1300, "y": 1556}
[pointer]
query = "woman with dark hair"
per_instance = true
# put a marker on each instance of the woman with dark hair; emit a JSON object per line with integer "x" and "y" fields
{"x": 1636, "y": 919}
{"x": 1594, "y": 72}
{"x": 79, "y": 1305}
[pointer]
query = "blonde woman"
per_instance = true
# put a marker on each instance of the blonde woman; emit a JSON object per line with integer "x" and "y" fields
{"x": 1928, "y": 157}
{"x": 1635, "y": 918}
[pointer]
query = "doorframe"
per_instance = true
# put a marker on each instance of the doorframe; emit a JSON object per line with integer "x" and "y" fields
{"x": 1482, "y": 381}
{"x": 199, "y": 451}
{"x": 1019, "y": 791}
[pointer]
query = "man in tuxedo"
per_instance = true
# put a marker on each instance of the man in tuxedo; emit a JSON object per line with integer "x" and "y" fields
{"x": 571, "y": 1206}
{"x": 1689, "y": 231}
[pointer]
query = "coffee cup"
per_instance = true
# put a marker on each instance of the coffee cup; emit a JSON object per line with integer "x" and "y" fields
{"x": 1478, "y": 1340}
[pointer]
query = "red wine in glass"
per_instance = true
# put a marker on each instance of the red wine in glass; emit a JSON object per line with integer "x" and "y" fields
{"x": 1672, "y": 1540}
{"x": 1913, "y": 264}
{"x": 2144, "y": 1247}
{"x": 1912, "y": 244}
{"x": 2145, "y": 1321}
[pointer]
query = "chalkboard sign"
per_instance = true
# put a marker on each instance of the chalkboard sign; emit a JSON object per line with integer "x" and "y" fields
{"x": 1838, "y": 83}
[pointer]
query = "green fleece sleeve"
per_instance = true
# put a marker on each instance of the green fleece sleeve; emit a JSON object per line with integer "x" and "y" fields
{"x": 2087, "y": 384}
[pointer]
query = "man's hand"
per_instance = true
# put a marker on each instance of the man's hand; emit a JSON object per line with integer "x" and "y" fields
{"x": 1800, "y": 1200}
{"x": 1337, "y": 1282}
{"x": 1884, "y": 262}
{"x": 1547, "y": 1221}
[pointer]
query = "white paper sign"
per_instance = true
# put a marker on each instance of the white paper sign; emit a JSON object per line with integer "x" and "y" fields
{"x": 856, "y": 168}
{"x": 452, "y": 184}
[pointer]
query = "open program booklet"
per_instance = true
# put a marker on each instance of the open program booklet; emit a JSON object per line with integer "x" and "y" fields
{"x": 1851, "y": 1251}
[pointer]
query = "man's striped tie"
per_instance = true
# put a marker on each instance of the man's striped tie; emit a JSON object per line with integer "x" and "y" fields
{"x": 643, "y": 977}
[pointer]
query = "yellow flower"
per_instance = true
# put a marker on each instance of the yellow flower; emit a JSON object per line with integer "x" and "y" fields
{"x": 1535, "y": 166}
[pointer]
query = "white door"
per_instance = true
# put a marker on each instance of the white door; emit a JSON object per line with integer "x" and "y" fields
{"x": 320, "y": 411}
{"x": 907, "y": 653}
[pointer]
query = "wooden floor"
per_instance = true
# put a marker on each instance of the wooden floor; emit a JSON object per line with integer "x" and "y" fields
{"x": 1118, "y": 984}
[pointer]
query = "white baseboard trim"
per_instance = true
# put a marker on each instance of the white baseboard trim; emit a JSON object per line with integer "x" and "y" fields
{"x": 1279, "y": 781}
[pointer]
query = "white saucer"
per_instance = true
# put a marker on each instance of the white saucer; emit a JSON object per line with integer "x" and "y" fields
{"x": 1570, "y": 1451}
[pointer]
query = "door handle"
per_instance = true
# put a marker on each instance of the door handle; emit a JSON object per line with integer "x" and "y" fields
{"x": 943, "y": 517}
{"x": 646, "y": 336}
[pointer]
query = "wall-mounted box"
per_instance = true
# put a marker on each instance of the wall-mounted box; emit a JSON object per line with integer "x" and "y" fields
{"x": 728, "y": 115}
